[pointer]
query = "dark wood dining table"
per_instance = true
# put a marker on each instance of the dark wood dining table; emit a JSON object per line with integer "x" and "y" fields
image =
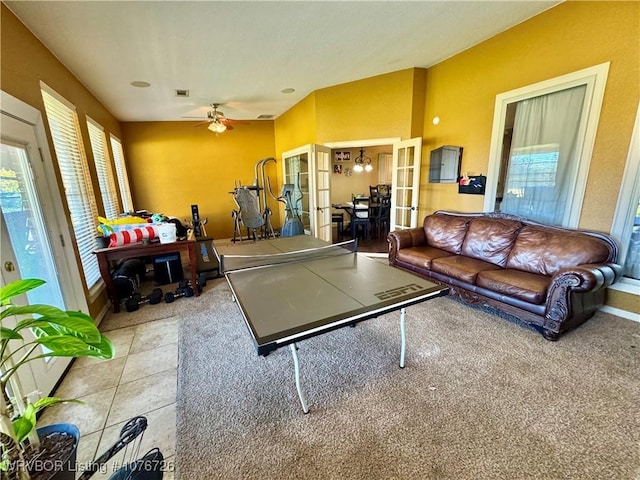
{"x": 352, "y": 211}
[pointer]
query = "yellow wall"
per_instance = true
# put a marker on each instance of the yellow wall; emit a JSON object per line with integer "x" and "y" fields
{"x": 569, "y": 37}
{"x": 26, "y": 61}
{"x": 173, "y": 165}
{"x": 297, "y": 126}
{"x": 375, "y": 107}
{"x": 623, "y": 300}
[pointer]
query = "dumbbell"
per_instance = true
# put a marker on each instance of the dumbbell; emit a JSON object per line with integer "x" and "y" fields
{"x": 180, "y": 292}
{"x": 133, "y": 302}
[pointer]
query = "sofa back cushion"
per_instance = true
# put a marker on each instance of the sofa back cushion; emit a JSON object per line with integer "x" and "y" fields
{"x": 490, "y": 239}
{"x": 445, "y": 232}
{"x": 545, "y": 251}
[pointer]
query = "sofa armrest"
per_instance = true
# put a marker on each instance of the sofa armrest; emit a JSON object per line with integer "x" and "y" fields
{"x": 399, "y": 239}
{"x": 581, "y": 279}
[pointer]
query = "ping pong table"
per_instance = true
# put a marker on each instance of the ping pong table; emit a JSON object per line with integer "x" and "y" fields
{"x": 293, "y": 288}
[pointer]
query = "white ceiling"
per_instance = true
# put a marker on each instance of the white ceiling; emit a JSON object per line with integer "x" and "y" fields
{"x": 243, "y": 53}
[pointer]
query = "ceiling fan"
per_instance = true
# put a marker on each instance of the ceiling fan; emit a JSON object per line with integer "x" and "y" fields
{"x": 216, "y": 120}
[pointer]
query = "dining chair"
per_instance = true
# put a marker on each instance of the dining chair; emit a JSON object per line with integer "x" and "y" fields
{"x": 381, "y": 217}
{"x": 360, "y": 216}
{"x": 374, "y": 194}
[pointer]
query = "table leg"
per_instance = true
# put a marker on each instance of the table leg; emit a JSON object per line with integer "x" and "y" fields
{"x": 403, "y": 338}
{"x": 296, "y": 366}
{"x": 193, "y": 264}
{"x": 103, "y": 265}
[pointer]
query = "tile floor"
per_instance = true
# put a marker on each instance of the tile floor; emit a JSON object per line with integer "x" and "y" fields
{"x": 140, "y": 380}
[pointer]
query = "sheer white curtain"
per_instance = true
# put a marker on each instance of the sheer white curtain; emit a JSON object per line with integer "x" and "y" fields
{"x": 543, "y": 159}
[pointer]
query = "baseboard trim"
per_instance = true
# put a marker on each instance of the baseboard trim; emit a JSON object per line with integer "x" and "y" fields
{"x": 102, "y": 313}
{"x": 618, "y": 312}
{"x": 375, "y": 255}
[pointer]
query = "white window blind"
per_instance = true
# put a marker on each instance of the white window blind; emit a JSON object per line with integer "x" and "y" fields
{"x": 106, "y": 179}
{"x": 123, "y": 177}
{"x": 72, "y": 161}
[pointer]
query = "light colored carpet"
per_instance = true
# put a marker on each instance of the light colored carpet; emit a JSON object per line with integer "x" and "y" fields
{"x": 480, "y": 398}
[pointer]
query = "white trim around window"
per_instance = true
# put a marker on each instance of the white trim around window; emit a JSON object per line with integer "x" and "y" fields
{"x": 595, "y": 78}
{"x": 123, "y": 176}
{"x": 64, "y": 127}
{"x": 104, "y": 169}
{"x": 626, "y": 207}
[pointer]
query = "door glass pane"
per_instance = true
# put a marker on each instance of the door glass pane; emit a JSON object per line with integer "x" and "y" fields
{"x": 410, "y": 155}
{"x": 25, "y": 225}
{"x": 297, "y": 173}
{"x": 402, "y": 157}
{"x": 409, "y": 175}
{"x": 402, "y": 181}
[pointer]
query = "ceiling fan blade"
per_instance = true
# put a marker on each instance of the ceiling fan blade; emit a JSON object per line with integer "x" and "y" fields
{"x": 229, "y": 127}
{"x": 206, "y": 122}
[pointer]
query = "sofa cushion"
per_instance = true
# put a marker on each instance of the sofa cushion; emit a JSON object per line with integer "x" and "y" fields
{"x": 464, "y": 269}
{"x": 420, "y": 256}
{"x": 545, "y": 251}
{"x": 445, "y": 232}
{"x": 529, "y": 287}
{"x": 490, "y": 239}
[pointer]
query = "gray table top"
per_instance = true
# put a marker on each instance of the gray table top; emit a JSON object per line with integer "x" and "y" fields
{"x": 287, "y": 302}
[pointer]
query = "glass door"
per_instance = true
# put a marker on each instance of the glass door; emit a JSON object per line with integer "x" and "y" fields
{"x": 296, "y": 173}
{"x": 321, "y": 166}
{"x": 407, "y": 156}
{"x": 25, "y": 235}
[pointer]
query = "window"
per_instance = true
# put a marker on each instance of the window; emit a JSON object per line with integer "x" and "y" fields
{"x": 103, "y": 169}
{"x": 541, "y": 146}
{"x": 72, "y": 162}
{"x": 626, "y": 222}
{"x": 123, "y": 177}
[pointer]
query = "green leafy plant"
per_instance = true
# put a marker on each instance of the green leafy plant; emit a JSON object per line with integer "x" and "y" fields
{"x": 55, "y": 333}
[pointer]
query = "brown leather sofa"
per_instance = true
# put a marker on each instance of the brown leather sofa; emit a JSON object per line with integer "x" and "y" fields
{"x": 551, "y": 277}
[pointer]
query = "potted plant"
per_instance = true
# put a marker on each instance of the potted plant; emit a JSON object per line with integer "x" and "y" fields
{"x": 56, "y": 333}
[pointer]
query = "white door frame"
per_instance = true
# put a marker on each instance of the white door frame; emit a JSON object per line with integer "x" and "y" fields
{"x": 43, "y": 375}
{"x": 320, "y": 176}
{"x": 416, "y": 144}
{"x": 62, "y": 244}
{"x": 292, "y": 153}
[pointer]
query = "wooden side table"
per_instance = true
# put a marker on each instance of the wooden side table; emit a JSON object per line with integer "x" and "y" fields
{"x": 105, "y": 255}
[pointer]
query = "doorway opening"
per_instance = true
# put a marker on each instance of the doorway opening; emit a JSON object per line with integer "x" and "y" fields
{"x": 347, "y": 183}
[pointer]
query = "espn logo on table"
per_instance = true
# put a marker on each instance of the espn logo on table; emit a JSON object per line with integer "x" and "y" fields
{"x": 398, "y": 291}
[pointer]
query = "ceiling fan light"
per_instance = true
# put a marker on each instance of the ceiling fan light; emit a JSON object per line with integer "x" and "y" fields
{"x": 217, "y": 127}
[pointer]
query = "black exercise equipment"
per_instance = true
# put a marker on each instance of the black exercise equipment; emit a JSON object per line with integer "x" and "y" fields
{"x": 180, "y": 292}
{"x": 133, "y": 302}
{"x": 128, "y": 276}
{"x": 293, "y": 223}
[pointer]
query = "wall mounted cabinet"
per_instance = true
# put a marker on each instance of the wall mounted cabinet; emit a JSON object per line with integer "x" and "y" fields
{"x": 444, "y": 164}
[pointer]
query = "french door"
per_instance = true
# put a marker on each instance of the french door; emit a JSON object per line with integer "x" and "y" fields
{"x": 308, "y": 169}
{"x": 407, "y": 157}
{"x": 28, "y": 238}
